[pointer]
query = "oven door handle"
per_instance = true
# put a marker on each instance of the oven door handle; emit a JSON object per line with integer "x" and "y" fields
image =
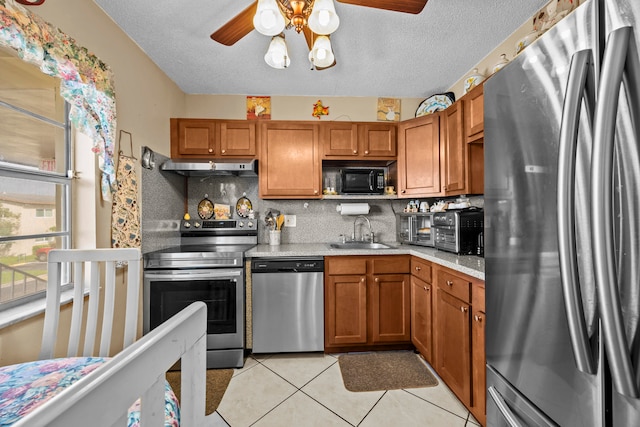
{"x": 193, "y": 274}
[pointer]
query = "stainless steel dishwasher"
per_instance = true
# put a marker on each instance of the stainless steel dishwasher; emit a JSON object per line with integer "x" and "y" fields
{"x": 287, "y": 304}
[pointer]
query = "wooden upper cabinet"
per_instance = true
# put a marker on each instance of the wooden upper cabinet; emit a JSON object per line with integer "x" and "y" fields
{"x": 378, "y": 139}
{"x": 474, "y": 114}
{"x": 419, "y": 157}
{"x": 358, "y": 141}
{"x": 193, "y": 137}
{"x": 339, "y": 139}
{"x": 209, "y": 138}
{"x": 290, "y": 163}
{"x": 238, "y": 138}
{"x": 454, "y": 157}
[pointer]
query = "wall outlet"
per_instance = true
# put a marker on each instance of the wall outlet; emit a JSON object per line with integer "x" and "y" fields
{"x": 289, "y": 220}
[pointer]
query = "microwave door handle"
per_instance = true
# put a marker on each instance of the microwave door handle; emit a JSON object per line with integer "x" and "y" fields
{"x": 579, "y": 85}
{"x": 614, "y": 334}
{"x": 372, "y": 178}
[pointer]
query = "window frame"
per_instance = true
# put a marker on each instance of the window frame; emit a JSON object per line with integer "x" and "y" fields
{"x": 51, "y": 177}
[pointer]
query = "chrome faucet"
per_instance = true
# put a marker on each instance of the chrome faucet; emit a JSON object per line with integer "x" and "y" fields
{"x": 361, "y": 236}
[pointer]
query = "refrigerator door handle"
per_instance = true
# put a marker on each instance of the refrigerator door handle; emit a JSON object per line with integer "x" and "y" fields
{"x": 580, "y": 85}
{"x": 502, "y": 406}
{"x": 615, "y": 340}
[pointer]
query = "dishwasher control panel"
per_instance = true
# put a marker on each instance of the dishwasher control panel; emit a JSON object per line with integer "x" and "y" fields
{"x": 284, "y": 264}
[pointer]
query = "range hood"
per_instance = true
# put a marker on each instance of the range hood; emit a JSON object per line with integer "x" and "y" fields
{"x": 212, "y": 167}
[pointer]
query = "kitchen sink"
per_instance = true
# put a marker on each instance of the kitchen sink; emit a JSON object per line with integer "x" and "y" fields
{"x": 359, "y": 245}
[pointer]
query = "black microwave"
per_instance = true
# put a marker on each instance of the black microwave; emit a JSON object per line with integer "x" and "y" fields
{"x": 362, "y": 181}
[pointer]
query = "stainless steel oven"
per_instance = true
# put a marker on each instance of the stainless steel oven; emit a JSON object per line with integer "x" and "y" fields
{"x": 208, "y": 266}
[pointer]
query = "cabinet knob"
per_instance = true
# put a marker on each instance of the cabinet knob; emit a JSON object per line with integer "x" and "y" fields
{"x": 224, "y": 151}
{"x": 376, "y": 279}
{"x": 362, "y": 279}
{"x": 315, "y": 191}
{"x": 355, "y": 151}
{"x": 418, "y": 269}
{"x": 444, "y": 187}
{"x": 366, "y": 151}
{"x": 464, "y": 309}
{"x": 426, "y": 289}
{"x": 449, "y": 283}
{"x": 404, "y": 191}
{"x": 211, "y": 150}
{"x": 477, "y": 318}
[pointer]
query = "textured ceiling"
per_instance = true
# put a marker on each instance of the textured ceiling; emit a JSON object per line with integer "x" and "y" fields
{"x": 378, "y": 53}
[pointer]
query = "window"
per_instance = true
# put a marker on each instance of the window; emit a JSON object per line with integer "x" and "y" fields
{"x": 35, "y": 155}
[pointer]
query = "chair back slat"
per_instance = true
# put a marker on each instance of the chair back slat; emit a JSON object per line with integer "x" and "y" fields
{"x": 93, "y": 306}
{"x": 109, "y": 303}
{"x": 86, "y": 275}
{"x": 77, "y": 309}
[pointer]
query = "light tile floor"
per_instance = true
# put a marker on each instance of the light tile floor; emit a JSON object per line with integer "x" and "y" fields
{"x": 306, "y": 389}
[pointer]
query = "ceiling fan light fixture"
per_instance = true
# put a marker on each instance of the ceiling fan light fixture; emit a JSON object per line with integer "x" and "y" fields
{"x": 321, "y": 55}
{"x": 268, "y": 19}
{"x": 277, "y": 56}
{"x": 323, "y": 19}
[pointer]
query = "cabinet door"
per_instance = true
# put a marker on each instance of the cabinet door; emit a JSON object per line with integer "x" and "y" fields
{"x": 345, "y": 310}
{"x": 339, "y": 139}
{"x": 419, "y": 157}
{"x": 378, "y": 140}
{"x": 391, "y": 308}
{"x": 290, "y": 164}
{"x": 421, "y": 321}
{"x": 454, "y": 345}
{"x": 474, "y": 114}
{"x": 238, "y": 139}
{"x": 479, "y": 360}
{"x": 454, "y": 151}
{"x": 194, "y": 137}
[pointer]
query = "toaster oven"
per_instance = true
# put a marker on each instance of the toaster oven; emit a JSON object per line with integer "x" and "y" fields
{"x": 415, "y": 228}
{"x": 457, "y": 230}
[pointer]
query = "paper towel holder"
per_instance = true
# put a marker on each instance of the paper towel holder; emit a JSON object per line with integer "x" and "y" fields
{"x": 353, "y": 208}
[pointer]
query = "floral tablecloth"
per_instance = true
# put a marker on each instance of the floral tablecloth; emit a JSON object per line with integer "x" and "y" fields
{"x": 26, "y": 386}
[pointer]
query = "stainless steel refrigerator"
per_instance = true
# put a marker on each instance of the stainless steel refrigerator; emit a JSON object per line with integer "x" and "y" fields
{"x": 562, "y": 225}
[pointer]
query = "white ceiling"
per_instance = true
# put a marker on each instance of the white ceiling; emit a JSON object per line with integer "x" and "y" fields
{"x": 378, "y": 53}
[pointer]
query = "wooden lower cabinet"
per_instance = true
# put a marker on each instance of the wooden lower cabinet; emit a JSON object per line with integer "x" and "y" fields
{"x": 367, "y": 302}
{"x": 478, "y": 356}
{"x": 421, "y": 308}
{"x": 458, "y": 335}
{"x": 421, "y": 322}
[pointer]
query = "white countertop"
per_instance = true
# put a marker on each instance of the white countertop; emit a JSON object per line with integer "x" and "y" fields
{"x": 467, "y": 264}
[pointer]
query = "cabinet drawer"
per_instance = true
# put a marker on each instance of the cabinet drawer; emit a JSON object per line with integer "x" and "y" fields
{"x": 346, "y": 265}
{"x": 454, "y": 285}
{"x": 477, "y": 297}
{"x": 390, "y": 264}
{"x": 421, "y": 269}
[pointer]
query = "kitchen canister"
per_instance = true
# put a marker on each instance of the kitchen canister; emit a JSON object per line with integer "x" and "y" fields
{"x": 473, "y": 80}
{"x": 500, "y": 64}
{"x": 274, "y": 237}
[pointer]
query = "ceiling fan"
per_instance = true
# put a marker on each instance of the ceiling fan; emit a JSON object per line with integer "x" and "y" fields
{"x": 295, "y": 14}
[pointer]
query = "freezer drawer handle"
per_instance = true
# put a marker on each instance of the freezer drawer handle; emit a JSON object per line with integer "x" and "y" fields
{"x": 620, "y": 49}
{"x": 580, "y": 85}
{"x": 504, "y": 409}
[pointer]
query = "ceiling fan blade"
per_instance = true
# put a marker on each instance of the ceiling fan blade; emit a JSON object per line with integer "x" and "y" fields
{"x": 405, "y": 6}
{"x": 236, "y": 28}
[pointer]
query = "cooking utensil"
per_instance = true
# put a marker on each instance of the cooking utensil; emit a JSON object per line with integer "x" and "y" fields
{"x": 279, "y": 222}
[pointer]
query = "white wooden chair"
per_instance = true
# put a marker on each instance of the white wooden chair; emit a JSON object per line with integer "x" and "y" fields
{"x": 85, "y": 272}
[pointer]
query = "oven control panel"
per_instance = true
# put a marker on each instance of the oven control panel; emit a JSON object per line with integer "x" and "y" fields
{"x": 223, "y": 225}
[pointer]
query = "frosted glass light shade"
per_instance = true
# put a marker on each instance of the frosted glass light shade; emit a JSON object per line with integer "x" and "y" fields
{"x": 321, "y": 54}
{"x": 277, "y": 56}
{"x": 323, "y": 19}
{"x": 268, "y": 19}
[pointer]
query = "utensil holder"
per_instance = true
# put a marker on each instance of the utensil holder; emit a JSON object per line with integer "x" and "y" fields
{"x": 274, "y": 237}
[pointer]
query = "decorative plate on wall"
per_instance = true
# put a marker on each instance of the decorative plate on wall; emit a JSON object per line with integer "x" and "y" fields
{"x": 205, "y": 208}
{"x": 437, "y": 102}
